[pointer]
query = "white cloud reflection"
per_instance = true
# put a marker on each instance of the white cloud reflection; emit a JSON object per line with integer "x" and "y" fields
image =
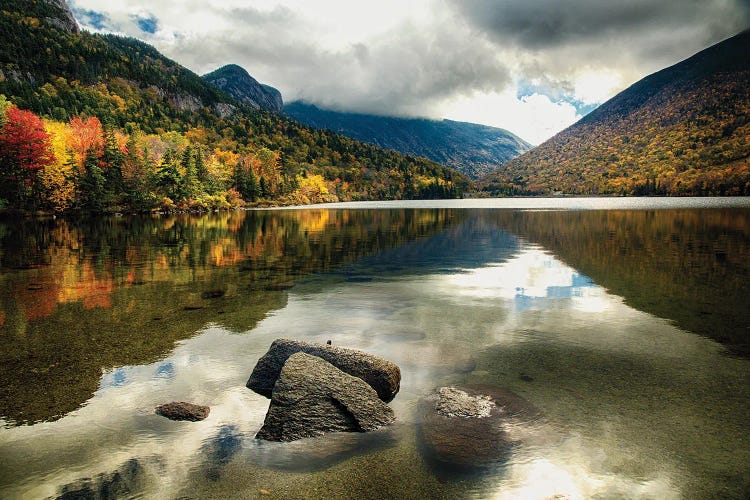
{"x": 530, "y": 277}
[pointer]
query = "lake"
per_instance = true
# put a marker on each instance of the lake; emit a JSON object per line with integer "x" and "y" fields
{"x": 624, "y": 324}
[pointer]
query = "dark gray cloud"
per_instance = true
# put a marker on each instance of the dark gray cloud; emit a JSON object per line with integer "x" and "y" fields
{"x": 643, "y": 29}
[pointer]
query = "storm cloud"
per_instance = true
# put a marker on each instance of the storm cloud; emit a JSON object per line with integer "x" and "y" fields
{"x": 640, "y": 31}
{"x": 552, "y": 59}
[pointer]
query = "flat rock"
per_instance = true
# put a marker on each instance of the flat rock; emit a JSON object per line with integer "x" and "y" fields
{"x": 180, "y": 410}
{"x": 312, "y": 397}
{"x": 382, "y": 375}
{"x": 471, "y": 426}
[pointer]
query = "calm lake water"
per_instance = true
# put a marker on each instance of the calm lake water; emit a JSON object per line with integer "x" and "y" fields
{"x": 625, "y": 324}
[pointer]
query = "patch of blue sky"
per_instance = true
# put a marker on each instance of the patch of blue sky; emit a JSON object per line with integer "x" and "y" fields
{"x": 91, "y": 18}
{"x": 147, "y": 24}
{"x": 527, "y": 88}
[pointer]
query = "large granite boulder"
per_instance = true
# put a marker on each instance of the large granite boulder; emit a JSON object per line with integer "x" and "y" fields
{"x": 312, "y": 397}
{"x": 382, "y": 375}
{"x": 471, "y": 426}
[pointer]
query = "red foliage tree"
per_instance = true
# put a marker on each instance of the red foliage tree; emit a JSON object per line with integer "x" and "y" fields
{"x": 25, "y": 148}
{"x": 87, "y": 138}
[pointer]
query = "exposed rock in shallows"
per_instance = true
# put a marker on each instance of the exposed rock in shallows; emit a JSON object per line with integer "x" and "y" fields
{"x": 467, "y": 426}
{"x": 183, "y": 411}
{"x": 382, "y": 375}
{"x": 451, "y": 402}
{"x": 312, "y": 397}
{"x": 126, "y": 482}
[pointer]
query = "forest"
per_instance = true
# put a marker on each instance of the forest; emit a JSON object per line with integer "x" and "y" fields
{"x": 97, "y": 123}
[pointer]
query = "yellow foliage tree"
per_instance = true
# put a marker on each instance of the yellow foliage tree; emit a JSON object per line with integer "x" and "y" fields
{"x": 313, "y": 189}
{"x": 57, "y": 179}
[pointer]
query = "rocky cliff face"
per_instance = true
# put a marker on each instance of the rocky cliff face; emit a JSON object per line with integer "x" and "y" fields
{"x": 236, "y": 82}
{"x": 64, "y": 18}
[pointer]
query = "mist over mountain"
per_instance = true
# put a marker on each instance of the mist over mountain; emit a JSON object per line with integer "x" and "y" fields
{"x": 467, "y": 147}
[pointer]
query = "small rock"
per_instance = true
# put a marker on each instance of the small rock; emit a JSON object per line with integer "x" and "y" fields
{"x": 312, "y": 397}
{"x": 183, "y": 411}
{"x": 382, "y": 375}
{"x": 451, "y": 402}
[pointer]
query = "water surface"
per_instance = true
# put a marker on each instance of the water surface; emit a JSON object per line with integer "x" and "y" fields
{"x": 623, "y": 323}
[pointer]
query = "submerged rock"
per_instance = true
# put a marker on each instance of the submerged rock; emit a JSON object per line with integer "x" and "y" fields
{"x": 468, "y": 426}
{"x": 183, "y": 411}
{"x": 312, "y": 397}
{"x": 380, "y": 374}
{"x": 125, "y": 482}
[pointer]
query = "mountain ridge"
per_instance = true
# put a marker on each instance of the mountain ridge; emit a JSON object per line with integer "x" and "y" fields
{"x": 470, "y": 148}
{"x": 682, "y": 130}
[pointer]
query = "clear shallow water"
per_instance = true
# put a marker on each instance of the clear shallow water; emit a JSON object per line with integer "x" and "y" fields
{"x": 625, "y": 328}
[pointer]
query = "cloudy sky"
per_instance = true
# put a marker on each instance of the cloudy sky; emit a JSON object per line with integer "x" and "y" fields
{"x": 530, "y": 66}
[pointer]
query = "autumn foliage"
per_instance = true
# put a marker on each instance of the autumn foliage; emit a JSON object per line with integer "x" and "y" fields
{"x": 24, "y": 149}
{"x": 132, "y": 130}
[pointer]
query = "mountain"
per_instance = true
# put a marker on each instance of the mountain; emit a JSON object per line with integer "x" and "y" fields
{"x": 102, "y": 122}
{"x": 236, "y": 82}
{"x": 681, "y": 131}
{"x": 467, "y": 147}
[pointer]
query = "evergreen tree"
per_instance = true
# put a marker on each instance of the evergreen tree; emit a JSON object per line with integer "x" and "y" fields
{"x": 113, "y": 159}
{"x": 189, "y": 183}
{"x": 246, "y": 182}
{"x": 92, "y": 184}
{"x": 168, "y": 176}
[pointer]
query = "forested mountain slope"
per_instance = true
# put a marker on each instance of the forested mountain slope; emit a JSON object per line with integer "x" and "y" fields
{"x": 123, "y": 127}
{"x": 684, "y": 130}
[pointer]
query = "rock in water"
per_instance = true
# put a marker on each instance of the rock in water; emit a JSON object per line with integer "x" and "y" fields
{"x": 183, "y": 411}
{"x": 312, "y": 397}
{"x": 382, "y": 375}
{"x": 466, "y": 426}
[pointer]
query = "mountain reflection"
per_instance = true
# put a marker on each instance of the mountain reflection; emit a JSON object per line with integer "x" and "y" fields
{"x": 86, "y": 295}
{"x": 689, "y": 266}
{"x": 80, "y": 297}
